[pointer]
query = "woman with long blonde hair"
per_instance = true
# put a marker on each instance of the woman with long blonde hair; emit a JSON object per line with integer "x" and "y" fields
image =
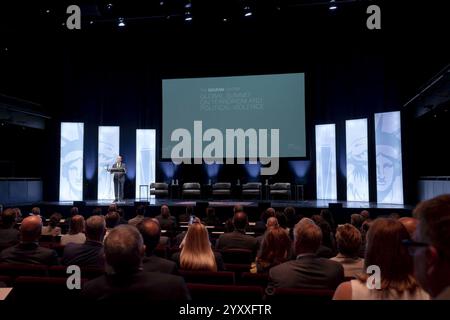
{"x": 197, "y": 253}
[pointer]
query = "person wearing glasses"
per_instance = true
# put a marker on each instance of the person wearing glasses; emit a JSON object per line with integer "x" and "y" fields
{"x": 431, "y": 248}
{"x": 385, "y": 249}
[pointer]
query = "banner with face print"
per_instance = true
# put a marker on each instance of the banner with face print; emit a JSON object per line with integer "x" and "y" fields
{"x": 71, "y": 162}
{"x": 357, "y": 160}
{"x": 145, "y": 159}
{"x": 388, "y": 142}
{"x": 108, "y": 150}
{"x": 326, "y": 161}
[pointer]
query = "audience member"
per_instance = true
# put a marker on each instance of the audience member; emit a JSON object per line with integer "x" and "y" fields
{"x": 9, "y": 235}
{"x": 271, "y": 222}
{"x": 431, "y": 251}
{"x": 124, "y": 250}
{"x": 28, "y": 250}
{"x": 385, "y": 250}
{"x": 275, "y": 248}
{"x": 327, "y": 215}
{"x": 237, "y": 239}
{"x": 349, "y": 241}
{"x": 196, "y": 253}
{"x": 36, "y": 211}
{"x": 90, "y": 253}
{"x": 260, "y": 226}
{"x": 111, "y": 220}
{"x": 166, "y": 221}
{"x": 308, "y": 270}
{"x": 365, "y": 214}
{"x": 151, "y": 233}
{"x": 76, "y": 231}
{"x": 52, "y": 229}
{"x": 140, "y": 214}
{"x": 327, "y": 248}
{"x": 211, "y": 218}
{"x": 356, "y": 220}
{"x": 410, "y": 224}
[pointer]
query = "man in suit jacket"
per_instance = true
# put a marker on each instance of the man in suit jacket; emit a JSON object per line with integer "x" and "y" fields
{"x": 28, "y": 250}
{"x": 124, "y": 250}
{"x": 151, "y": 233}
{"x": 8, "y": 234}
{"x": 166, "y": 221}
{"x": 308, "y": 271}
{"x": 89, "y": 254}
{"x": 238, "y": 239}
{"x": 119, "y": 170}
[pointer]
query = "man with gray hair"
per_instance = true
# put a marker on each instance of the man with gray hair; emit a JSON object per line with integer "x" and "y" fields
{"x": 124, "y": 250}
{"x": 308, "y": 271}
{"x": 90, "y": 253}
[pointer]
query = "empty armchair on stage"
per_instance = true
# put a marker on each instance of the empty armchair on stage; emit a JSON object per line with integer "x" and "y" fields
{"x": 159, "y": 189}
{"x": 191, "y": 190}
{"x": 252, "y": 189}
{"x": 280, "y": 190}
{"x": 221, "y": 189}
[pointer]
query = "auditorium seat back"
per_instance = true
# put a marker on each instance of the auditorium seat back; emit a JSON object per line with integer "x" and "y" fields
{"x": 208, "y": 277}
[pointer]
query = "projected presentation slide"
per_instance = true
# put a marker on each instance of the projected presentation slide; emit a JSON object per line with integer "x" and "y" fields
{"x": 248, "y": 102}
{"x": 357, "y": 160}
{"x": 71, "y": 162}
{"x": 388, "y": 145}
{"x": 326, "y": 162}
{"x": 108, "y": 150}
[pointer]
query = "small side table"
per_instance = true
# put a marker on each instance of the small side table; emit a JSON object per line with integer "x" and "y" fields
{"x": 145, "y": 187}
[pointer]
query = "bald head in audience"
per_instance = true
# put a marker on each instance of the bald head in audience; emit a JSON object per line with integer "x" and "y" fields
{"x": 76, "y": 224}
{"x": 410, "y": 224}
{"x": 151, "y": 233}
{"x": 307, "y": 237}
{"x": 240, "y": 221}
{"x": 124, "y": 249}
{"x": 272, "y": 222}
{"x": 95, "y": 228}
{"x": 31, "y": 227}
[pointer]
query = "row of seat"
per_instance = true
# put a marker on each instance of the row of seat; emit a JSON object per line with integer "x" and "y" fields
{"x": 223, "y": 189}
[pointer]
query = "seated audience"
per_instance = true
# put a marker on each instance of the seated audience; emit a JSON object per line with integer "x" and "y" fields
{"x": 356, "y": 220}
{"x": 271, "y": 222}
{"x": 121, "y": 214}
{"x": 151, "y": 233}
{"x": 349, "y": 240}
{"x": 124, "y": 250}
{"x": 385, "y": 249}
{"x": 410, "y": 224}
{"x": 291, "y": 217}
{"x": 111, "y": 220}
{"x": 275, "y": 248}
{"x": 211, "y": 218}
{"x": 28, "y": 250}
{"x": 19, "y": 217}
{"x": 90, "y": 253}
{"x": 196, "y": 252}
{"x": 166, "y": 221}
{"x": 365, "y": 214}
{"x": 238, "y": 239}
{"x": 260, "y": 226}
{"x": 431, "y": 251}
{"x": 184, "y": 217}
{"x": 140, "y": 215}
{"x": 76, "y": 231}
{"x": 327, "y": 215}
{"x": 52, "y": 228}
{"x": 36, "y": 211}
{"x": 327, "y": 246}
{"x": 308, "y": 270}
{"x": 9, "y": 235}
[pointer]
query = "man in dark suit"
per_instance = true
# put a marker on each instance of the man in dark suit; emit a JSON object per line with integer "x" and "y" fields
{"x": 89, "y": 254}
{"x": 308, "y": 271}
{"x": 151, "y": 233}
{"x": 119, "y": 170}
{"x": 238, "y": 239}
{"x": 124, "y": 250}
{"x": 8, "y": 234}
{"x": 166, "y": 221}
{"x": 28, "y": 250}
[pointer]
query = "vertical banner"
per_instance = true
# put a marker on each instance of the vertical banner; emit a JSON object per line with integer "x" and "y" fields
{"x": 357, "y": 160}
{"x": 388, "y": 144}
{"x": 71, "y": 162}
{"x": 145, "y": 160}
{"x": 326, "y": 161}
{"x": 108, "y": 150}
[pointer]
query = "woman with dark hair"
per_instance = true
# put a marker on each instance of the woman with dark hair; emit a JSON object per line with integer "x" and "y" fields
{"x": 386, "y": 251}
{"x": 327, "y": 215}
{"x": 327, "y": 248}
{"x": 275, "y": 249}
{"x": 52, "y": 229}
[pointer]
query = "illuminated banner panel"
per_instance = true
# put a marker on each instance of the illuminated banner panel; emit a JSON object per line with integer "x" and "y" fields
{"x": 71, "y": 162}
{"x": 388, "y": 142}
{"x": 145, "y": 159}
{"x": 108, "y": 150}
{"x": 326, "y": 161}
{"x": 357, "y": 160}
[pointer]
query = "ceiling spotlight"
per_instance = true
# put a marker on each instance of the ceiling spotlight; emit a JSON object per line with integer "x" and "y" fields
{"x": 188, "y": 5}
{"x": 109, "y": 6}
{"x": 91, "y": 22}
{"x": 161, "y": 3}
{"x": 47, "y": 11}
{"x": 188, "y": 16}
{"x": 247, "y": 12}
{"x": 333, "y": 5}
{"x": 121, "y": 23}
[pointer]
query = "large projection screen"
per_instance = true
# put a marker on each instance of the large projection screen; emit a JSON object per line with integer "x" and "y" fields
{"x": 108, "y": 150}
{"x": 71, "y": 162}
{"x": 388, "y": 145}
{"x": 275, "y": 101}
